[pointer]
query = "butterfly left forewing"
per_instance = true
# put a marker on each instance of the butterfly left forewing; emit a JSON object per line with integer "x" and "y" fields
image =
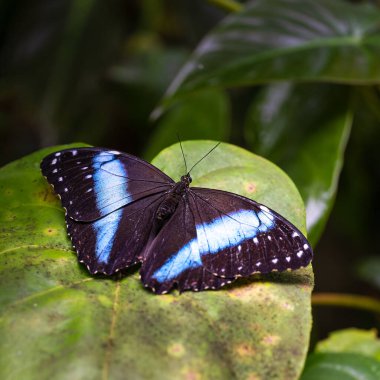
{"x": 94, "y": 182}
{"x": 239, "y": 237}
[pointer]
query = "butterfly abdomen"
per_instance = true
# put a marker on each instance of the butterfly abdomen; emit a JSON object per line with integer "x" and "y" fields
{"x": 170, "y": 203}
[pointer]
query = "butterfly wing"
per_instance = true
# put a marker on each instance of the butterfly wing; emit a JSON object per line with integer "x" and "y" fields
{"x": 238, "y": 236}
{"x": 94, "y": 182}
{"x": 116, "y": 240}
{"x": 110, "y": 200}
{"x": 173, "y": 257}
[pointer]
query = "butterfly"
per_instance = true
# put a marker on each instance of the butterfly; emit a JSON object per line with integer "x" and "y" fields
{"x": 121, "y": 211}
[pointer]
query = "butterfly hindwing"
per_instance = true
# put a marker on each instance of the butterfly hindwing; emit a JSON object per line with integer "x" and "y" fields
{"x": 173, "y": 256}
{"x": 238, "y": 236}
{"x": 94, "y": 182}
{"x": 116, "y": 240}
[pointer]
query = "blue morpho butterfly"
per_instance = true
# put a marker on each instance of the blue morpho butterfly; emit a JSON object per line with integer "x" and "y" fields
{"x": 121, "y": 210}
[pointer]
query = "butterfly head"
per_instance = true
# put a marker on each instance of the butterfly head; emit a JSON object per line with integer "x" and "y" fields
{"x": 186, "y": 179}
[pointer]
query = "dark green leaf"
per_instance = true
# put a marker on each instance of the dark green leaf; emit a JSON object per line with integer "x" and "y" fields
{"x": 59, "y": 322}
{"x": 272, "y": 40}
{"x": 204, "y": 116}
{"x": 304, "y": 129}
{"x": 341, "y": 366}
{"x": 369, "y": 270}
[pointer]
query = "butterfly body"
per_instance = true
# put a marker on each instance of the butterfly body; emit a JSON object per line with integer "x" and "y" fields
{"x": 121, "y": 211}
{"x": 172, "y": 199}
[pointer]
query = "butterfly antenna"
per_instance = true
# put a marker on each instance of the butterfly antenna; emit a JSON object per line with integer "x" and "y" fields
{"x": 204, "y": 156}
{"x": 183, "y": 154}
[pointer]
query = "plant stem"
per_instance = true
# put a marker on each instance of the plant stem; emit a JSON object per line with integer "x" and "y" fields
{"x": 228, "y": 5}
{"x": 346, "y": 300}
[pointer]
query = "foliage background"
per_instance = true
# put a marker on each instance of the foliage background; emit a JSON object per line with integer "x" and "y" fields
{"x": 94, "y": 71}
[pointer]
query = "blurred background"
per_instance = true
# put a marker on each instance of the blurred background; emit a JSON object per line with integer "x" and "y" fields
{"x": 94, "y": 71}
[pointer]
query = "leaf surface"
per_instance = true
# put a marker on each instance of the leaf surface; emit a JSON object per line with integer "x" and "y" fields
{"x": 57, "y": 321}
{"x": 304, "y": 128}
{"x": 275, "y": 40}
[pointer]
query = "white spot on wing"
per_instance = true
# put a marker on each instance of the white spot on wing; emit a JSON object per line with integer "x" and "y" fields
{"x": 275, "y": 261}
{"x": 305, "y": 246}
{"x": 295, "y": 234}
{"x": 256, "y": 240}
{"x": 57, "y": 154}
{"x": 60, "y": 179}
{"x": 287, "y": 258}
{"x": 300, "y": 253}
{"x": 54, "y": 161}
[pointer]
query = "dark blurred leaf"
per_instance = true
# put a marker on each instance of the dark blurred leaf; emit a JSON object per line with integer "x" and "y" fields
{"x": 341, "y": 367}
{"x": 137, "y": 84}
{"x": 369, "y": 270}
{"x": 272, "y": 40}
{"x": 304, "y": 129}
{"x": 59, "y": 322}
{"x": 204, "y": 116}
{"x": 351, "y": 340}
{"x": 54, "y": 53}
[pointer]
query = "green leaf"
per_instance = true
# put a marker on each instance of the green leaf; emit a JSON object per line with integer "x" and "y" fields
{"x": 369, "y": 270}
{"x": 57, "y": 321}
{"x": 304, "y": 128}
{"x": 341, "y": 366}
{"x": 352, "y": 340}
{"x": 204, "y": 116}
{"x": 272, "y": 40}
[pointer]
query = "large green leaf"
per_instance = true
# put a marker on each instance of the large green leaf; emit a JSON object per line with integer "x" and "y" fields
{"x": 272, "y": 40}
{"x": 57, "y": 321}
{"x": 304, "y": 128}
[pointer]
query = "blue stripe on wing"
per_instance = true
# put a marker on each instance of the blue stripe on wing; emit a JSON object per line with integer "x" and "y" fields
{"x": 109, "y": 182}
{"x": 226, "y": 231}
{"x": 105, "y": 231}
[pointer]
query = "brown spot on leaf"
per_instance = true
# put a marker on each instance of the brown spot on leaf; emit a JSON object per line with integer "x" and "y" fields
{"x": 253, "y": 376}
{"x": 271, "y": 340}
{"x": 50, "y": 231}
{"x": 176, "y": 349}
{"x": 245, "y": 350}
{"x": 250, "y": 187}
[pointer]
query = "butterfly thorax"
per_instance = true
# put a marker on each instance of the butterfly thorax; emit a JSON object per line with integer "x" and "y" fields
{"x": 172, "y": 199}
